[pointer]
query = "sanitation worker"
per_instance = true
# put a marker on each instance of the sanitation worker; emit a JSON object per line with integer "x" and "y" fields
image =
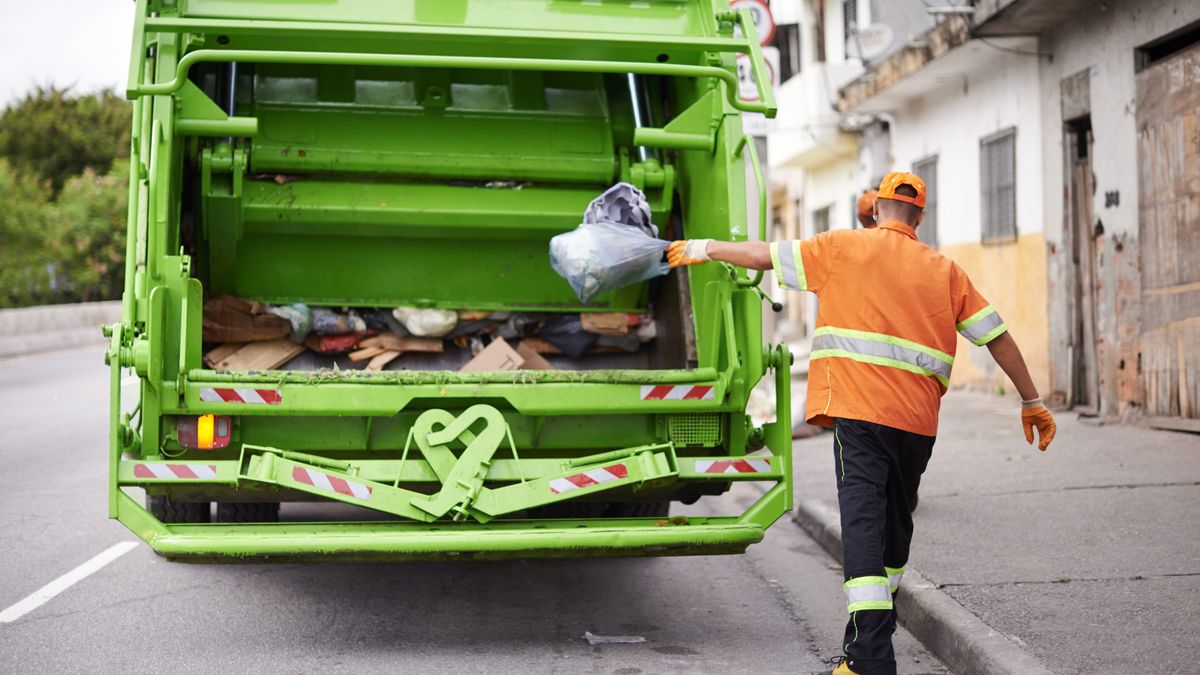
{"x": 880, "y": 363}
{"x": 866, "y": 208}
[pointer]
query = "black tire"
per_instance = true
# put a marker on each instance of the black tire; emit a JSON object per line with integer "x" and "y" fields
{"x": 169, "y": 511}
{"x": 659, "y": 509}
{"x": 247, "y": 512}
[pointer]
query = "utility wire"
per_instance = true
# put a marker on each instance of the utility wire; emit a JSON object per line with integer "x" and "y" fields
{"x": 1047, "y": 55}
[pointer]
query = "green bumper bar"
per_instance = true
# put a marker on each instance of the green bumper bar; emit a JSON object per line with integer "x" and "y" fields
{"x": 395, "y": 541}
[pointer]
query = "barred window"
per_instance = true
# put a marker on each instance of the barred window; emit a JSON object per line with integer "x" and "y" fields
{"x": 998, "y": 179}
{"x": 926, "y": 170}
{"x": 849, "y": 18}
{"x": 820, "y": 221}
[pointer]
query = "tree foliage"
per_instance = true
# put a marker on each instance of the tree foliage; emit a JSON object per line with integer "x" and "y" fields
{"x": 54, "y": 135}
{"x": 63, "y": 193}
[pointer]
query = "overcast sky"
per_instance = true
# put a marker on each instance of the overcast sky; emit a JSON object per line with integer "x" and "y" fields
{"x": 83, "y": 44}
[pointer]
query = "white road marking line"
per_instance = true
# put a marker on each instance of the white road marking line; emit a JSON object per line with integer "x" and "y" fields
{"x": 44, "y": 594}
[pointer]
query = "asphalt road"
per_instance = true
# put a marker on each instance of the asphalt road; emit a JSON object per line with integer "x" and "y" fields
{"x": 777, "y": 609}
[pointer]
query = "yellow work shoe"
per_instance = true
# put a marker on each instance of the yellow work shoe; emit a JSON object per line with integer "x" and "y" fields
{"x": 841, "y": 669}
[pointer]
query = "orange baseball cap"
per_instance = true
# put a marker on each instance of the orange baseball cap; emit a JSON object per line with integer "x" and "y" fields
{"x": 887, "y": 188}
{"x": 866, "y": 207}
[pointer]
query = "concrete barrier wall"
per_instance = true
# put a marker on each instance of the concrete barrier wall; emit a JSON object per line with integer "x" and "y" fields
{"x": 30, "y": 330}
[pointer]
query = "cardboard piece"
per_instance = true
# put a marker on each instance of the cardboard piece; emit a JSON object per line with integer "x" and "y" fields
{"x": 401, "y": 343}
{"x": 497, "y": 356}
{"x": 229, "y": 319}
{"x": 608, "y": 323}
{"x": 533, "y": 360}
{"x": 264, "y": 355}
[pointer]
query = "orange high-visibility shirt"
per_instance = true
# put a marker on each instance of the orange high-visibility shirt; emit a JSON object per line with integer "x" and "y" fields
{"x": 888, "y": 308}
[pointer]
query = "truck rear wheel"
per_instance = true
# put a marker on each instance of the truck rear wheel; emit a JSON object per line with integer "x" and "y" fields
{"x": 247, "y": 512}
{"x": 168, "y": 510}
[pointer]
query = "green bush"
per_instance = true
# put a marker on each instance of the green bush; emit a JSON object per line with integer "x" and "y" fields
{"x": 55, "y": 135}
{"x": 26, "y": 261}
{"x": 63, "y": 192}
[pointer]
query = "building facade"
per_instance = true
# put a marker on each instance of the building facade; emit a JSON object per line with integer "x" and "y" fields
{"x": 1057, "y": 139}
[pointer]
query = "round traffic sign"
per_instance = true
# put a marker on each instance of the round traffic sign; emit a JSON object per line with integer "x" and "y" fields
{"x": 764, "y": 22}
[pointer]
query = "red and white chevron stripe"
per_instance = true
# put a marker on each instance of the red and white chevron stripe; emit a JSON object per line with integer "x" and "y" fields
{"x": 733, "y": 465}
{"x": 666, "y": 392}
{"x": 331, "y": 483}
{"x": 588, "y": 478}
{"x": 174, "y": 471}
{"x": 253, "y": 396}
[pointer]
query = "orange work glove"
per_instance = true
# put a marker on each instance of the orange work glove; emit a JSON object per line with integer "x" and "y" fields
{"x": 1034, "y": 414}
{"x": 688, "y": 252}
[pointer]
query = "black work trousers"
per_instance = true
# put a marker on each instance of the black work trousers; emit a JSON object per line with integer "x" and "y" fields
{"x": 878, "y": 472}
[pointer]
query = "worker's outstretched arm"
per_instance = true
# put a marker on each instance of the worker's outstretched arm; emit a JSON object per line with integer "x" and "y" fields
{"x": 1033, "y": 412}
{"x": 755, "y": 255}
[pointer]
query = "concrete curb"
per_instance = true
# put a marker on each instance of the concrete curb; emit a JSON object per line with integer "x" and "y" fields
{"x": 956, "y": 636}
{"x": 34, "y": 330}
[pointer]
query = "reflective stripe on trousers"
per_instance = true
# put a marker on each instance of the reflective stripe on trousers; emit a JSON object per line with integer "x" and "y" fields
{"x": 882, "y": 350}
{"x": 982, "y": 327}
{"x": 867, "y": 593}
{"x": 894, "y": 574}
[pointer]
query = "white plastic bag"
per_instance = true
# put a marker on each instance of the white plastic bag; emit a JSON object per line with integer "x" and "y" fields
{"x": 602, "y": 256}
{"x": 426, "y": 322}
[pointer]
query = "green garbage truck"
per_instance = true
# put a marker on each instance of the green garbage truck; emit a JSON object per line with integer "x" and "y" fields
{"x": 375, "y": 154}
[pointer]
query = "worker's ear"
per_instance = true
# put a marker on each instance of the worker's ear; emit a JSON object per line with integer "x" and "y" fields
{"x": 920, "y": 217}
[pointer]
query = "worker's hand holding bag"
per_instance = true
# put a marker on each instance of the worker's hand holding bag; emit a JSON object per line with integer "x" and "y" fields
{"x": 1034, "y": 414}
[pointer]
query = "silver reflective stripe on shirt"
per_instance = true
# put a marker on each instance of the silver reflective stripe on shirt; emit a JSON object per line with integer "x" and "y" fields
{"x": 982, "y": 326}
{"x": 928, "y": 364}
{"x": 788, "y": 269}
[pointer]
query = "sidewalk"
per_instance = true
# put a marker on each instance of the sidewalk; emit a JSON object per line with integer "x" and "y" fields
{"x": 1088, "y": 555}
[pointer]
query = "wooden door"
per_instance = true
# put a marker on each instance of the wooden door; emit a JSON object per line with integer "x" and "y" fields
{"x": 1085, "y": 379}
{"x": 1168, "y": 121}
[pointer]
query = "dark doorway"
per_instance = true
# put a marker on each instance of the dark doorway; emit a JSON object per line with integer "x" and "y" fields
{"x": 1085, "y": 379}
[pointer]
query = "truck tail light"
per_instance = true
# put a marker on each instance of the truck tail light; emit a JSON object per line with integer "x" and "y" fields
{"x": 203, "y": 432}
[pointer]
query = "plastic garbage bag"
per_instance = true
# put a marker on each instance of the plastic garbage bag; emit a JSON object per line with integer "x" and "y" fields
{"x": 604, "y": 255}
{"x": 426, "y": 322}
{"x": 621, "y": 203}
{"x": 299, "y": 315}
{"x": 328, "y": 322}
{"x": 566, "y": 332}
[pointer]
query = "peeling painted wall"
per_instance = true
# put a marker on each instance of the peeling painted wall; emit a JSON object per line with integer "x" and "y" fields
{"x": 1013, "y": 279}
{"x": 997, "y": 91}
{"x": 1101, "y": 41}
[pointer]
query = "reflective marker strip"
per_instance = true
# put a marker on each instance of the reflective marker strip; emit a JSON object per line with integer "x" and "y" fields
{"x": 788, "y": 265}
{"x": 867, "y": 593}
{"x": 894, "y": 574}
{"x": 733, "y": 466}
{"x": 253, "y": 396}
{"x": 588, "y": 478}
{"x": 983, "y": 326}
{"x": 331, "y": 483}
{"x": 175, "y": 471}
{"x": 666, "y": 392}
{"x": 883, "y": 350}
